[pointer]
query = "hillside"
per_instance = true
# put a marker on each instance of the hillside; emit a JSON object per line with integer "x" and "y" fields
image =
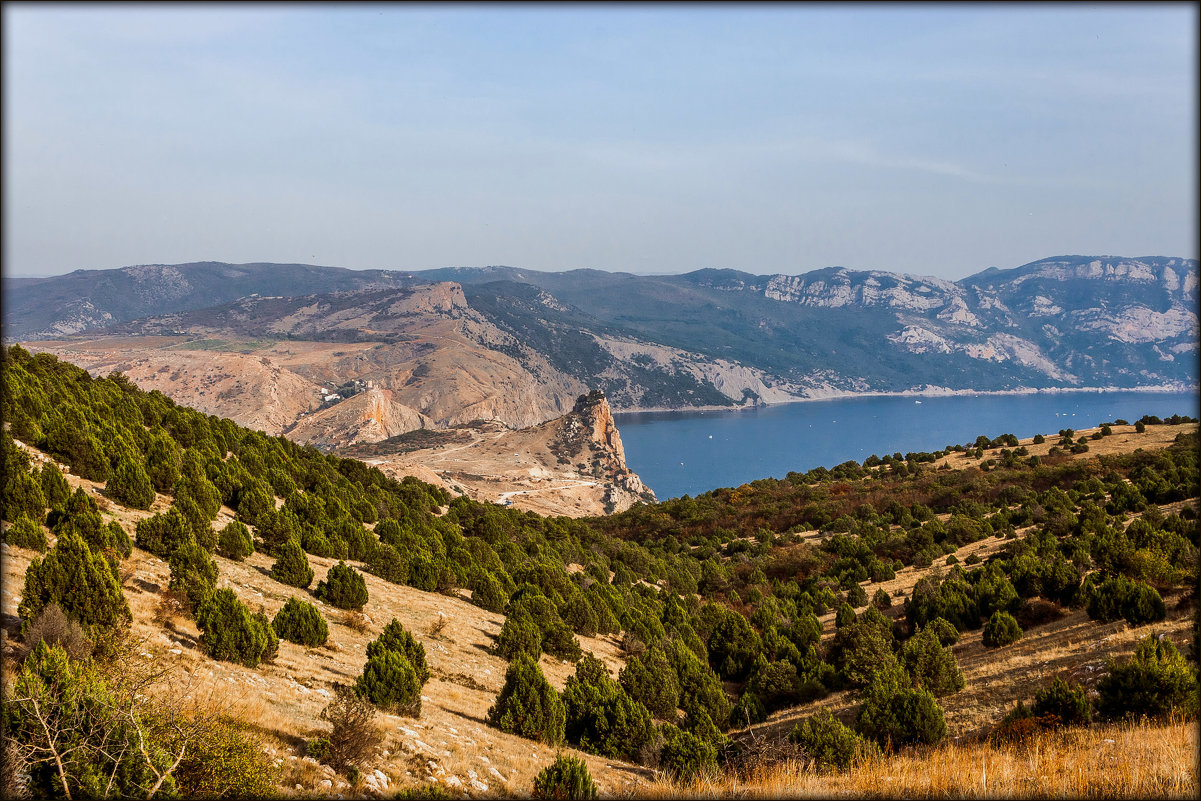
{"x": 710, "y": 338}
{"x": 734, "y": 614}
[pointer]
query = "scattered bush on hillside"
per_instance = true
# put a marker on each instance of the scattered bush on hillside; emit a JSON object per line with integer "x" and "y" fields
{"x": 487, "y": 593}
{"x": 193, "y": 574}
{"x": 27, "y": 533}
{"x": 881, "y": 600}
{"x": 1067, "y": 703}
{"x": 129, "y": 485}
{"x": 602, "y": 718}
{"x": 893, "y": 712}
{"x": 1156, "y": 680}
{"x": 857, "y": 596}
{"x": 930, "y": 665}
{"x": 946, "y": 633}
{"x": 299, "y": 622}
{"x": 354, "y": 736}
{"x": 651, "y": 680}
{"x": 527, "y": 705}
{"x": 230, "y": 633}
{"x": 684, "y": 755}
{"x": 162, "y": 533}
{"x": 519, "y": 635}
{"x": 66, "y": 726}
{"x": 343, "y": 587}
{"x": 234, "y": 542}
{"x": 390, "y": 682}
{"x": 831, "y": 745}
{"x": 395, "y": 637}
{"x": 21, "y": 494}
{"x": 83, "y": 583}
{"x": 54, "y": 485}
{"x": 387, "y": 563}
{"x": 1118, "y": 597}
{"x": 565, "y": 779}
{"x": 292, "y": 566}
{"x": 1001, "y": 630}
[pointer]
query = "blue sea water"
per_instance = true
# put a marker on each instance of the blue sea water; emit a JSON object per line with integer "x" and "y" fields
{"x": 678, "y": 453}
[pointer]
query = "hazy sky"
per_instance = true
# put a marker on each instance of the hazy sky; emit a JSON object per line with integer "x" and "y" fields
{"x": 925, "y": 139}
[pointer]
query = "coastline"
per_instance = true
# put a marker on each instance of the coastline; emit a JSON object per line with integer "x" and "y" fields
{"x": 926, "y": 392}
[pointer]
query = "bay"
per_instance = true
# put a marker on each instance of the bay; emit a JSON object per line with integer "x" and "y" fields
{"x": 678, "y": 453}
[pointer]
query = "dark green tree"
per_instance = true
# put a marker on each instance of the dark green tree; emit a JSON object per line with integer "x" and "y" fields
{"x": 27, "y": 533}
{"x": 343, "y": 587}
{"x": 527, "y": 705}
{"x": 565, "y": 779}
{"x": 82, "y": 583}
{"x": 234, "y": 542}
{"x": 1000, "y": 630}
{"x": 129, "y": 485}
{"x": 292, "y": 566}
{"x": 395, "y": 637}
{"x": 390, "y": 682}
{"x": 193, "y": 573}
{"x": 230, "y": 633}
{"x": 299, "y": 622}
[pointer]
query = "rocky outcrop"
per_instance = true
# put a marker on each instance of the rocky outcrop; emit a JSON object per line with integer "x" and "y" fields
{"x": 588, "y": 439}
{"x": 370, "y": 416}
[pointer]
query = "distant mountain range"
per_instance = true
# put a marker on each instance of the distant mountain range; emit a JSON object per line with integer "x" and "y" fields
{"x": 706, "y": 338}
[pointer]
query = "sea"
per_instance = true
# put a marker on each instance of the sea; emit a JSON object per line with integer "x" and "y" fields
{"x": 689, "y": 453}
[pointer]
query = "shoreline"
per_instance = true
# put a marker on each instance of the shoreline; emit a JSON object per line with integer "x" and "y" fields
{"x": 928, "y": 392}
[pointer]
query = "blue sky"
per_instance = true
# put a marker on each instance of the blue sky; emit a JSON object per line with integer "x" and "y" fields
{"x": 936, "y": 140}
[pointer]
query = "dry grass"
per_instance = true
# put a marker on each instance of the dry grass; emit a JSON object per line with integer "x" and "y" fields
{"x": 1129, "y": 760}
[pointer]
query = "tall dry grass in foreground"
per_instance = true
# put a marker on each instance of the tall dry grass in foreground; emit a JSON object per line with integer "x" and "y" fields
{"x": 1129, "y": 760}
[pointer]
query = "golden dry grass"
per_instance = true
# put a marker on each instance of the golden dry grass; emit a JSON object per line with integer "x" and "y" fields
{"x": 1129, "y": 760}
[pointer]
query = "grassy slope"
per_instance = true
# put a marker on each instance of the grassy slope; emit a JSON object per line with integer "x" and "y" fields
{"x": 283, "y": 699}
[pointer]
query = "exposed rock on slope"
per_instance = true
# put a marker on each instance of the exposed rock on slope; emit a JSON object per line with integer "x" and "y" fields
{"x": 573, "y": 465}
{"x": 369, "y": 416}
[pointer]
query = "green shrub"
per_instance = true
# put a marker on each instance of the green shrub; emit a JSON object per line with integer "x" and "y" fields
{"x": 193, "y": 573}
{"x": 1143, "y": 604}
{"x": 54, "y": 486}
{"x": 228, "y": 762}
{"x": 857, "y": 596}
{"x": 601, "y": 717}
{"x": 895, "y": 713}
{"x": 21, "y": 494}
{"x": 519, "y": 635}
{"x": 292, "y": 566}
{"x": 1070, "y": 704}
{"x": 882, "y": 600}
{"x": 733, "y": 646}
{"x": 941, "y": 628}
{"x": 343, "y": 587}
{"x": 1155, "y": 681}
{"x": 859, "y": 649}
{"x": 387, "y": 563}
{"x": 651, "y": 680}
{"x": 1000, "y": 630}
{"x": 129, "y": 485}
{"x": 527, "y": 705}
{"x": 83, "y": 583}
{"x": 299, "y": 622}
{"x": 487, "y": 593}
{"x": 578, "y": 614}
{"x": 565, "y": 779}
{"x": 230, "y": 633}
{"x": 395, "y": 638}
{"x": 390, "y": 682}
{"x": 930, "y": 665}
{"x": 27, "y": 533}
{"x": 234, "y": 542}
{"x": 685, "y": 755}
{"x": 558, "y": 641}
{"x": 162, "y": 533}
{"x": 845, "y": 616}
{"x": 831, "y": 745}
